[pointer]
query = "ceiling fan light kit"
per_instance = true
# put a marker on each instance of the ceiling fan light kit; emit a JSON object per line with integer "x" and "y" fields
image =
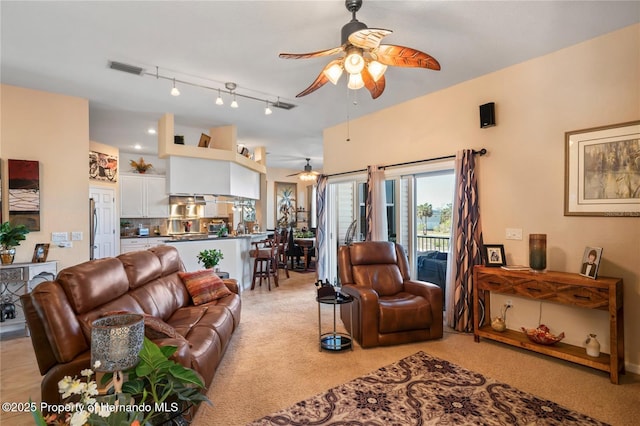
{"x": 308, "y": 174}
{"x": 365, "y": 59}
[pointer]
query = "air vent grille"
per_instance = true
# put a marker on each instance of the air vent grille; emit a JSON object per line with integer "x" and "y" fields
{"x": 283, "y": 105}
{"x": 131, "y": 69}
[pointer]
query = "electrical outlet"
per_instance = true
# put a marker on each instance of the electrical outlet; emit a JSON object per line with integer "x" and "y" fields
{"x": 514, "y": 234}
{"x": 509, "y": 303}
{"x": 65, "y": 244}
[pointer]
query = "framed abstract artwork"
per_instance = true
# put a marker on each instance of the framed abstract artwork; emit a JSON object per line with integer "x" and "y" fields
{"x": 602, "y": 171}
{"x": 24, "y": 193}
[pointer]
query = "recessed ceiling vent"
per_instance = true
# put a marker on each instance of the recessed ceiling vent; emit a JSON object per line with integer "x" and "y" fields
{"x": 283, "y": 105}
{"x": 131, "y": 69}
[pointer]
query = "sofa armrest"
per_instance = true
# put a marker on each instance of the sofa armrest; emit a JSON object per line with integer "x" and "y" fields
{"x": 232, "y": 284}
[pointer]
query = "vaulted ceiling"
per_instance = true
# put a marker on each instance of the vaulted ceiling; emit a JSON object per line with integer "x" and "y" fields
{"x": 65, "y": 47}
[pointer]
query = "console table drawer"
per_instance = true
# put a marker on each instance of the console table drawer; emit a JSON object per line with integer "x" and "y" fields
{"x": 534, "y": 289}
{"x": 586, "y": 297}
{"x": 496, "y": 283}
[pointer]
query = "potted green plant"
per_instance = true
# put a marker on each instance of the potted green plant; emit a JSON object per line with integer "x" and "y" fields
{"x": 10, "y": 237}
{"x": 164, "y": 388}
{"x": 210, "y": 257}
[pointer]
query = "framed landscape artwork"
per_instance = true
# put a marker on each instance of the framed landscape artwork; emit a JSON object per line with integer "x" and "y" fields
{"x": 602, "y": 171}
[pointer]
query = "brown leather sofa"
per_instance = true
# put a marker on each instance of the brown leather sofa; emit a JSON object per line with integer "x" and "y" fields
{"x": 388, "y": 308}
{"x": 59, "y": 313}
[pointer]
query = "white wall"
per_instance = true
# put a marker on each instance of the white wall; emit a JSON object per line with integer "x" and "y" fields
{"x": 521, "y": 180}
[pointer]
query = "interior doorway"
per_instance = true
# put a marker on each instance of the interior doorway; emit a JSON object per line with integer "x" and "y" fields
{"x": 102, "y": 222}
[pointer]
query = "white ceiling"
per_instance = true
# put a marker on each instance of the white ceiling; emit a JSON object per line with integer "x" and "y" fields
{"x": 65, "y": 47}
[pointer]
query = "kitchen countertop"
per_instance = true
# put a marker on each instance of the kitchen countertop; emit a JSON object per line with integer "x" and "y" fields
{"x": 197, "y": 238}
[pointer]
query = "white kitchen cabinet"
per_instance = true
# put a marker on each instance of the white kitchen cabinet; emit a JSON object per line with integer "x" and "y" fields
{"x": 135, "y": 244}
{"x": 143, "y": 196}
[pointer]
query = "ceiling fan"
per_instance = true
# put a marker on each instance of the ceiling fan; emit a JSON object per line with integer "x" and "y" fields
{"x": 308, "y": 173}
{"x": 364, "y": 58}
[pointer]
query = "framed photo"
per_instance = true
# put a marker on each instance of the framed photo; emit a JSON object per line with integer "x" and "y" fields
{"x": 494, "y": 255}
{"x": 602, "y": 171}
{"x": 40, "y": 253}
{"x": 204, "y": 141}
{"x": 591, "y": 262}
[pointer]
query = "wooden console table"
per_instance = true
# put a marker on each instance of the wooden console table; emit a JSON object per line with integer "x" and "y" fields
{"x": 603, "y": 293}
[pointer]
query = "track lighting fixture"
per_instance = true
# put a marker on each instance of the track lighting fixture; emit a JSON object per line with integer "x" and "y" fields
{"x": 229, "y": 87}
{"x": 175, "y": 91}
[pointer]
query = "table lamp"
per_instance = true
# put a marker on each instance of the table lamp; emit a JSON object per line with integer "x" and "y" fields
{"x": 116, "y": 341}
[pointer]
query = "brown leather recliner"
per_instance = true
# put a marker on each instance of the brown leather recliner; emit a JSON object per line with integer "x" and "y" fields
{"x": 388, "y": 308}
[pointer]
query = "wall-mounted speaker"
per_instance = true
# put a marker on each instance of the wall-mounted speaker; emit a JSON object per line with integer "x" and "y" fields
{"x": 487, "y": 115}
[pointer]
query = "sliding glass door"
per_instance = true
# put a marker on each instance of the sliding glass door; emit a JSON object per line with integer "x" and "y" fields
{"x": 418, "y": 207}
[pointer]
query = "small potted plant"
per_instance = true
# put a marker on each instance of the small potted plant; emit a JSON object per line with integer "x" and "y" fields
{"x": 10, "y": 237}
{"x": 210, "y": 258}
{"x": 140, "y": 166}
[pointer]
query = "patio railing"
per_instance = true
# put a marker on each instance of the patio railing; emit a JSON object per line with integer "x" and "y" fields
{"x": 428, "y": 242}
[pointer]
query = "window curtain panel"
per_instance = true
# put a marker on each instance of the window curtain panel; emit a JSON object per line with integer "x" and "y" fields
{"x": 467, "y": 237}
{"x": 321, "y": 227}
{"x": 376, "y": 205}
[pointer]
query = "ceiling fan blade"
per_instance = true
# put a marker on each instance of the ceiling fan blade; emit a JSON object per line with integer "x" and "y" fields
{"x": 375, "y": 87}
{"x": 319, "y": 53}
{"x": 320, "y": 81}
{"x": 295, "y": 174}
{"x": 401, "y": 56}
{"x": 368, "y": 38}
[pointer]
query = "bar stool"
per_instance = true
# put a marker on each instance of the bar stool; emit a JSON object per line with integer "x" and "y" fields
{"x": 264, "y": 263}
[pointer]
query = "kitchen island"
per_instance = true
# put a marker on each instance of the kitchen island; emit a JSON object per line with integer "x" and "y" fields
{"x": 236, "y": 251}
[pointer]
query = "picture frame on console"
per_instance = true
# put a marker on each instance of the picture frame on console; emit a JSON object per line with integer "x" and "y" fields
{"x": 602, "y": 171}
{"x": 40, "y": 253}
{"x": 591, "y": 262}
{"x": 494, "y": 255}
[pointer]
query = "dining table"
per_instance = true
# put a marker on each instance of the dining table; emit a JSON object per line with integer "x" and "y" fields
{"x": 306, "y": 244}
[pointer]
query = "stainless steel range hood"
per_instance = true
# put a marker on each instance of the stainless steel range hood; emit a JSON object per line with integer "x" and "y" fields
{"x": 187, "y": 200}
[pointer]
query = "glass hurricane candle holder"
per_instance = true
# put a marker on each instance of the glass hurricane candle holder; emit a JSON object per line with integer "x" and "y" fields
{"x": 538, "y": 252}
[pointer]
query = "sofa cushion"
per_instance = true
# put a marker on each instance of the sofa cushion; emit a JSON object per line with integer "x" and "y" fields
{"x": 141, "y": 267}
{"x": 204, "y": 286}
{"x": 93, "y": 283}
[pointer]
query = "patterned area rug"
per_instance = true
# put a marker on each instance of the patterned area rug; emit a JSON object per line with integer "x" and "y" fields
{"x": 423, "y": 390}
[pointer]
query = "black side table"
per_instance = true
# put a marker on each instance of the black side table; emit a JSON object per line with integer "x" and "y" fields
{"x": 334, "y": 341}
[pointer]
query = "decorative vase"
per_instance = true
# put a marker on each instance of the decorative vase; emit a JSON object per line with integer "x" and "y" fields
{"x": 593, "y": 346}
{"x": 538, "y": 252}
{"x": 7, "y": 255}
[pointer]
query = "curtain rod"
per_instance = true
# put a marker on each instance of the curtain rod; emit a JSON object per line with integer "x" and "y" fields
{"x": 481, "y": 152}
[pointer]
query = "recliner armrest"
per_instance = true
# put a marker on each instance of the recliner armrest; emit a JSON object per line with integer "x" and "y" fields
{"x": 429, "y": 291}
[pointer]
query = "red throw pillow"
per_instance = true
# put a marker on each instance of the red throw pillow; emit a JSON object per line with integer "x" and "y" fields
{"x": 204, "y": 286}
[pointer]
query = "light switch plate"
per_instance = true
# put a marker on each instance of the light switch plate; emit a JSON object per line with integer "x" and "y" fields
{"x": 58, "y": 237}
{"x": 514, "y": 234}
{"x": 76, "y": 236}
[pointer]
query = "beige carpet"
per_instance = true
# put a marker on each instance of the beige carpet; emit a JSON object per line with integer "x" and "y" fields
{"x": 273, "y": 361}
